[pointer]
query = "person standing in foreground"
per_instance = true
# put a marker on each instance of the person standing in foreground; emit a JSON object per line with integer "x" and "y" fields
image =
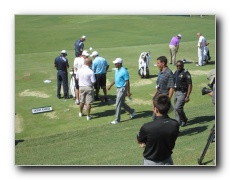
{"x": 165, "y": 82}
{"x": 86, "y": 79}
{"x": 79, "y": 46}
{"x": 100, "y": 67}
{"x": 121, "y": 80}
{"x": 158, "y": 137}
{"x": 78, "y": 63}
{"x": 61, "y": 63}
{"x": 183, "y": 89}
{"x": 174, "y": 47}
{"x": 201, "y": 44}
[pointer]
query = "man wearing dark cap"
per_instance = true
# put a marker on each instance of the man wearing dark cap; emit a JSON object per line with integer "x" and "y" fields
{"x": 79, "y": 46}
{"x": 61, "y": 63}
{"x": 174, "y": 47}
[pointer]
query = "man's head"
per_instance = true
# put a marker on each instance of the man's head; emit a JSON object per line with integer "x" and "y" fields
{"x": 161, "y": 62}
{"x": 118, "y": 62}
{"x": 94, "y": 54}
{"x": 88, "y": 62}
{"x": 198, "y": 34}
{"x": 161, "y": 104}
{"x": 83, "y": 38}
{"x": 64, "y": 52}
{"x": 180, "y": 65}
{"x": 179, "y": 36}
{"x": 85, "y": 54}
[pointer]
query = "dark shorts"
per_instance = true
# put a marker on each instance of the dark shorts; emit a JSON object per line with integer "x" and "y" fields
{"x": 100, "y": 81}
{"x": 76, "y": 82}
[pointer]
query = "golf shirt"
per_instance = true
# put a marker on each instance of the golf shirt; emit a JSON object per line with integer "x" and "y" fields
{"x": 61, "y": 63}
{"x": 99, "y": 65}
{"x": 121, "y": 76}
{"x": 165, "y": 81}
{"x": 85, "y": 76}
{"x": 174, "y": 41}
{"x": 159, "y": 136}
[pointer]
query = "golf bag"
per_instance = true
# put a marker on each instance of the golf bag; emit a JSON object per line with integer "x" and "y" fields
{"x": 144, "y": 65}
{"x": 207, "y": 57}
{"x": 72, "y": 86}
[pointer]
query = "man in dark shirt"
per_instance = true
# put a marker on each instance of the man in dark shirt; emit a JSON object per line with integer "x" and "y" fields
{"x": 183, "y": 89}
{"x": 79, "y": 46}
{"x": 61, "y": 63}
{"x": 158, "y": 137}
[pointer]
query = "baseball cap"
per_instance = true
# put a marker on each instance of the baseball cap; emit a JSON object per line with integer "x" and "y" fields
{"x": 85, "y": 53}
{"x": 63, "y": 52}
{"x": 94, "y": 53}
{"x": 84, "y": 37}
{"x": 211, "y": 76}
{"x": 179, "y": 35}
{"x": 118, "y": 60}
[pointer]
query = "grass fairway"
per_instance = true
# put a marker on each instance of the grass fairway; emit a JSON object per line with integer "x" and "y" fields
{"x": 62, "y": 138}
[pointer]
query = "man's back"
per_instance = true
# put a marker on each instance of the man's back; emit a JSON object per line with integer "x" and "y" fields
{"x": 99, "y": 65}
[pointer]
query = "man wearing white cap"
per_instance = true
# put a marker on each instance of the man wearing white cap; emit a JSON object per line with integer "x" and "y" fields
{"x": 79, "y": 46}
{"x": 174, "y": 47}
{"x": 78, "y": 63}
{"x": 121, "y": 80}
{"x": 61, "y": 63}
{"x": 99, "y": 67}
{"x": 201, "y": 44}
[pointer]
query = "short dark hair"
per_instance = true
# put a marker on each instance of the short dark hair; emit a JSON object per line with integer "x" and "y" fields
{"x": 162, "y": 103}
{"x": 163, "y": 59}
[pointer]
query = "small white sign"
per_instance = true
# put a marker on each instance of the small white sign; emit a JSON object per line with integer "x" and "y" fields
{"x": 41, "y": 109}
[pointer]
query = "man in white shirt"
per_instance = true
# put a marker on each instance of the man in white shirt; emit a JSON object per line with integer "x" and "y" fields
{"x": 86, "y": 80}
{"x": 78, "y": 63}
{"x": 201, "y": 44}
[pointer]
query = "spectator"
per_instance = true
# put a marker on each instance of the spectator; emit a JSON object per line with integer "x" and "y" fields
{"x": 201, "y": 44}
{"x": 61, "y": 63}
{"x": 174, "y": 47}
{"x": 79, "y": 46}
{"x": 158, "y": 137}
{"x": 99, "y": 67}
{"x": 121, "y": 80}
{"x": 165, "y": 82}
{"x": 78, "y": 63}
{"x": 86, "y": 79}
{"x": 183, "y": 89}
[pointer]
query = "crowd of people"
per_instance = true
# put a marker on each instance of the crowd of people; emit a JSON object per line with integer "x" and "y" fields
{"x": 158, "y": 137}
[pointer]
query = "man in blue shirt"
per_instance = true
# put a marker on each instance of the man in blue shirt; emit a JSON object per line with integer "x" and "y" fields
{"x": 79, "y": 46}
{"x": 99, "y": 67}
{"x": 121, "y": 80}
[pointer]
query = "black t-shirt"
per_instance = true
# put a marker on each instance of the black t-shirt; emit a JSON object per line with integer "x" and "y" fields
{"x": 159, "y": 136}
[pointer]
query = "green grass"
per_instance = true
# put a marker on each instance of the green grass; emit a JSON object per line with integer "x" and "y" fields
{"x": 62, "y": 138}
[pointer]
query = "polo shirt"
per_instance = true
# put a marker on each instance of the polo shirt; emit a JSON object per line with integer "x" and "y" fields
{"x": 61, "y": 63}
{"x": 78, "y": 63}
{"x": 174, "y": 41}
{"x": 99, "y": 65}
{"x": 159, "y": 136}
{"x": 121, "y": 76}
{"x": 165, "y": 81}
{"x": 85, "y": 76}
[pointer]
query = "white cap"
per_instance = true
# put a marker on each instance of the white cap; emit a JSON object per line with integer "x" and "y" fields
{"x": 85, "y": 53}
{"x": 179, "y": 35}
{"x": 118, "y": 60}
{"x": 63, "y": 52}
{"x": 94, "y": 53}
{"x": 84, "y": 37}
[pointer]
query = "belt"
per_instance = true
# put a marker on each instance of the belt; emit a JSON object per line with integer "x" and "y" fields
{"x": 181, "y": 89}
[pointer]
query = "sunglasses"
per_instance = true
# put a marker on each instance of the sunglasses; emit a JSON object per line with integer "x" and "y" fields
{"x": 178, "y": 65}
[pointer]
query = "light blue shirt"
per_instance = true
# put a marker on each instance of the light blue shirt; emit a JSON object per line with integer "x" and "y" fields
{"x": 99, "y": 65}
{"x": 121, "y": 76}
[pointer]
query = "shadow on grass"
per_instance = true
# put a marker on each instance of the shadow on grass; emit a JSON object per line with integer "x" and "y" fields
{"x": 18, "y": 141}
{"x": 196, "y": 130}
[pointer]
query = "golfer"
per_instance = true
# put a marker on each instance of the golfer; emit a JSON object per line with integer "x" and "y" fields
{"x": 121, "y": 80}
{"x": 174, "y": 47}
{"x": 79, "y": 46}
